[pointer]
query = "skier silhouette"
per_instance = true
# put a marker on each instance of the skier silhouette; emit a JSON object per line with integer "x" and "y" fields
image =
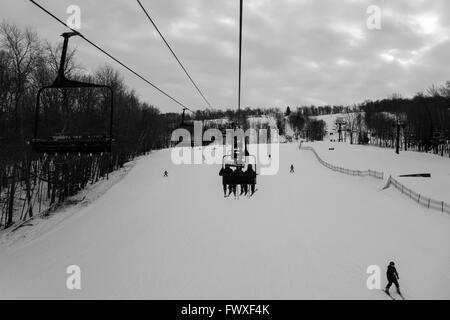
{"x": 250, "y": 175}
{"x": 234, "y": 177}
{"x": 226, "y": 173}
{"x": 239, "y": 176}
{"x": 392, "y": 276}
{"x": 166, "y": 174}
{"x": 292, "y": 168}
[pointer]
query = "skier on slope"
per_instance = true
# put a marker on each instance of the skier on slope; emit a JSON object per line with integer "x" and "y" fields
{"x": 166, "y": 174}
{"x": 392, "y": 276}
{"x": 292, "y": 168}
{"x": 225, "y": 173}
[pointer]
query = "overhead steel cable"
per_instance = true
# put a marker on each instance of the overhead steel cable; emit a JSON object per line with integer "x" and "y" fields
{"x": 112, "y": 57}
{"x": 173, "y": 53}
{"x": 240, "y": 53}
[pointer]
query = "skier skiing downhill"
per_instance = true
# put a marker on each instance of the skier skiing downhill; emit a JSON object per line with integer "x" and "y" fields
{"x": 392, "y": 276}
{"x": 292, "y": 168}
{"x": 166, "y": 174}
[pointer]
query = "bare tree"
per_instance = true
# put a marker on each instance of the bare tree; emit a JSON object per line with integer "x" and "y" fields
{"x": 351, "y": 123}
{"x": 53, "y": 57}
{"x": 433, "y": 91}
{"x": 445, "y": 90}
{"x": 23, "y": 49}
{"x": 5, "y": 83}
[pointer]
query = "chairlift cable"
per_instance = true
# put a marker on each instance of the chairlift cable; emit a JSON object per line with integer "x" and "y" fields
{"x": 240, "y": 55}
{"x": 173, "y": 53}
{"x": 111, "y": 56}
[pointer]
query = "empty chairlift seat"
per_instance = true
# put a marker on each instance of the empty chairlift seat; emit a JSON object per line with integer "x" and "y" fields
{"x": 99, "y": 137}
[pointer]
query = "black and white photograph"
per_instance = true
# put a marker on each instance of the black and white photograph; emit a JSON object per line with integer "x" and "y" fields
{"x": 225, "y": 150}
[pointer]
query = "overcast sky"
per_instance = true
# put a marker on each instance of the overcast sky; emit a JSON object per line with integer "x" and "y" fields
{"x": 295, "y": 52}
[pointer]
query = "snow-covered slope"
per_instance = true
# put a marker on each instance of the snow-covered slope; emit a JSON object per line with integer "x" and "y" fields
{"x": 311, "y": 234}
{"x": 330, "y": 120}
{"x": 262, "y": 120}
{"x": 358, "y": 157}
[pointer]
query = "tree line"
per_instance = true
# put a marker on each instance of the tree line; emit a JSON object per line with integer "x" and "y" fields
{"x": 306, "y": 125}
{"x": 423, "y": 121}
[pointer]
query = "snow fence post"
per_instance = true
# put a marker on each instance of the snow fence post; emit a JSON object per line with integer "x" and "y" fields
{"x": 388, "y": 183}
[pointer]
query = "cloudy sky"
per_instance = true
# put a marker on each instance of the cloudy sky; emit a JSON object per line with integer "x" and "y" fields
{"x": 295, "y": 52}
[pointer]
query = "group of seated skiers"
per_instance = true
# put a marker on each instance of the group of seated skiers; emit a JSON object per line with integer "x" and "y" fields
{"x": 232, "y": 178}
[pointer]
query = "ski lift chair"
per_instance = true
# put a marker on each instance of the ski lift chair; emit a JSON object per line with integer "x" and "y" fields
{"x": 234, "y": 164}
{"x": 61, "y": 143}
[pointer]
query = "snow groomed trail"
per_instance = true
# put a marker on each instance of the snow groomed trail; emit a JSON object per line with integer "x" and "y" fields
{"x": 308, "y": 235}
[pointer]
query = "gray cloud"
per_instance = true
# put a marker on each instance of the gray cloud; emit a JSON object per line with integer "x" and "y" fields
{"x": 296, "y": 52}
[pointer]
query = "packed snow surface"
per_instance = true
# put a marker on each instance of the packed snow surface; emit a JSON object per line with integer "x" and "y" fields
{"x": 311, "y": 234}
{"x": 358, "y": 157}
